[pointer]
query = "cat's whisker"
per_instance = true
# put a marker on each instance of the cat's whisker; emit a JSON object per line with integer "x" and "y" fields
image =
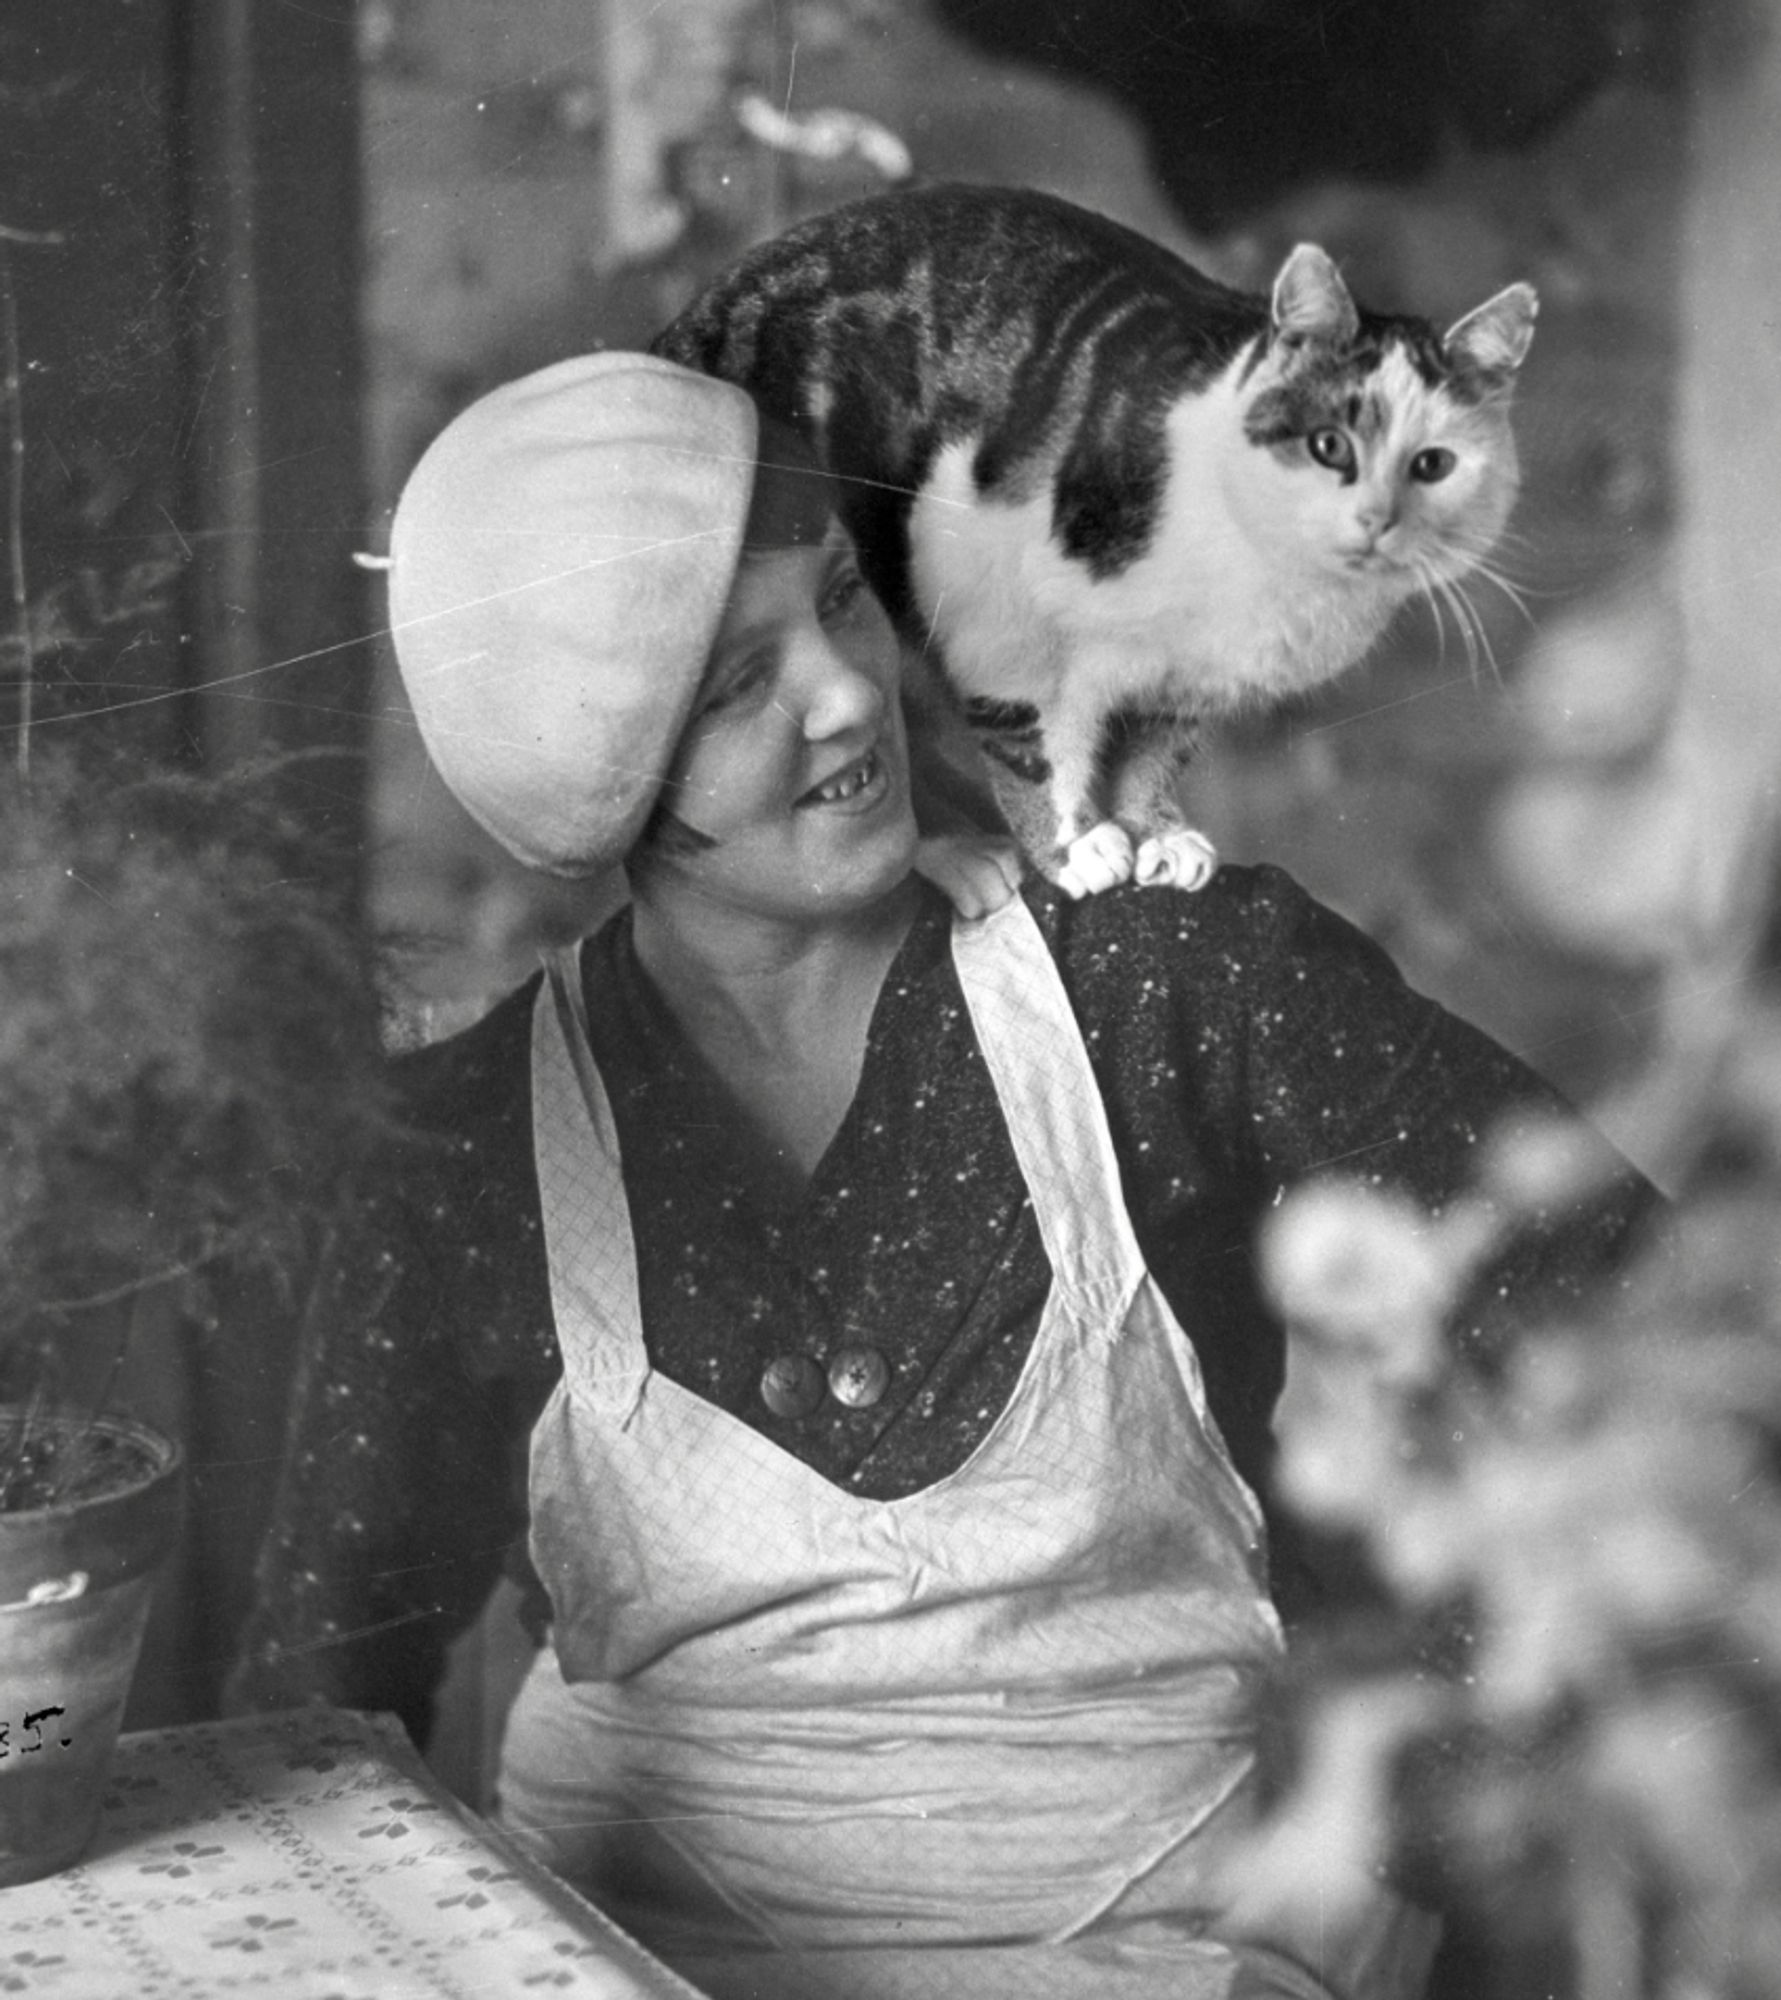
{"x": 1460, "y": 605}
{"x": 1443, "y": 601}
{"x": 1425, "y": 582}
{"x": 1440, "y": 599}
{"x": 1509, "y": 537}
{"x": 1514, "y": 592}
{"x": 1486, "y": 561}
{"x": 1479, "y": 647}
{"x": 1473, "y": 549}
{"x": 1464, "y": 607}
{"x": 1518, "y": 549}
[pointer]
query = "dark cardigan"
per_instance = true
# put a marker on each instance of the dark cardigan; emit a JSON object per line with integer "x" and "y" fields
{"x": 1244, "y": 1038}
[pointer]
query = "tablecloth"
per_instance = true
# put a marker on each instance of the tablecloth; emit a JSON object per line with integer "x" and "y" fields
{"x": 307, "y": 1855}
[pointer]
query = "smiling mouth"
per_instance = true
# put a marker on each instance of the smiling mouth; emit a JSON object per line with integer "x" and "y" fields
{"x": 845, "y": 785}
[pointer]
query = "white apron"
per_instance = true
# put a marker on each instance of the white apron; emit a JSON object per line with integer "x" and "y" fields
{"x": 803, "y": 1742}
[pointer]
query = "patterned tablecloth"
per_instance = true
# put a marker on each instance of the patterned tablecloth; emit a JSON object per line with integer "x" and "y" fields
{"x": 307, "y": 1856}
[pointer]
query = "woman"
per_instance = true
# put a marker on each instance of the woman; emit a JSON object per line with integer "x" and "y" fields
{"x": 854, "y": 1304}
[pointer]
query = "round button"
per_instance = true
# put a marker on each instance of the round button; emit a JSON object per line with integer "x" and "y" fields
{"x": 858, "y": 1376}
{"x": 791, "y": 1385}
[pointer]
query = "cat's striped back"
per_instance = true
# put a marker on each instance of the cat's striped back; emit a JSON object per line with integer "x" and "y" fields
{"x": 1106, "y": 495}
{"x": 1057, "y": 339}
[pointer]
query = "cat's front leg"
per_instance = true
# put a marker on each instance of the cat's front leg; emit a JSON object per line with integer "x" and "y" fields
{"x": 965, "y": 849}
{"x": 1145, "y": 754}
{"x": 1054, "y": 818}
{"x": 1096, "y": 860}
{"x": 1015, "y": 757}
{"x": 1176, "y": 857}
{"x": 1044, "y": 772}
{"x": 1097, "y": 853}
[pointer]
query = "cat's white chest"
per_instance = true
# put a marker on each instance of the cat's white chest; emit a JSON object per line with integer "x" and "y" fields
{"x": 1228, "y": 604}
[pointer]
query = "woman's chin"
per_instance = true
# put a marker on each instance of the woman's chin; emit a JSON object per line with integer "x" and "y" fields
{"x": 867, "y": 878}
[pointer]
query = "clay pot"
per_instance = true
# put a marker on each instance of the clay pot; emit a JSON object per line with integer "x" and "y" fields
{"x": 76, "y": 1577}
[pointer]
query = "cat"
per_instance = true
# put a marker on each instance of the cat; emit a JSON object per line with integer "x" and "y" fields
{"x": 1105, "y": 497}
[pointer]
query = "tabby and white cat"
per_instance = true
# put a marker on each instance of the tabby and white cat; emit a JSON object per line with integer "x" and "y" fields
{"x": 1104, "y": 495}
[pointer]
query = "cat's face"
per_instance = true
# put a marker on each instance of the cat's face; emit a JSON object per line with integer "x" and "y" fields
{"x": 1382, "y": 452}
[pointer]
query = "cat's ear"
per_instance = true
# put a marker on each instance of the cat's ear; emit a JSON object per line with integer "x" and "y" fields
{"x": 1493, "y": 339}
{"x": 1310, "y": 300}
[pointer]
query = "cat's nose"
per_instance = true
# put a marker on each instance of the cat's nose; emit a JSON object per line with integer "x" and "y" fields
{"x": 1376, "y": 514}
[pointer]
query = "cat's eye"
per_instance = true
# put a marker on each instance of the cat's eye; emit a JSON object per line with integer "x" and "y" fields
{"x": 1333, "y": 448}
{"x": 1433, "y": 465}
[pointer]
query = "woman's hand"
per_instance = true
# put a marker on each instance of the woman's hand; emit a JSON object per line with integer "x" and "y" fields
{"x": 976, "y": 872}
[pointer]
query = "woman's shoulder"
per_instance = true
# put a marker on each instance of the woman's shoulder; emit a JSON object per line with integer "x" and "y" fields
{"x": 460, "y": 1132}
{"x": 1248, "y": 922}
{"x": 480, "y": 1071}
{"x": 451, "y": 1218}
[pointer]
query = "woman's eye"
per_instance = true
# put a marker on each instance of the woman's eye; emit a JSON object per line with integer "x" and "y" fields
{"x": 1433, "y": 465}
{"x": 843, "y": 592}
{"x": 733, "y": 686}
{"x": 1333, "y": 448}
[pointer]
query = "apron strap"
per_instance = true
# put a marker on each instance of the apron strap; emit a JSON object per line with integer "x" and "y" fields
{"x": 1030, "y": 1039}
{"x": 591, "y": 1253}
{"x": 1046, "y": 1086}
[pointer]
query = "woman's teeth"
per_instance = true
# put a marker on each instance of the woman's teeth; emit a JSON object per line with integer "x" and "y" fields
{"x": 854, "y": 779}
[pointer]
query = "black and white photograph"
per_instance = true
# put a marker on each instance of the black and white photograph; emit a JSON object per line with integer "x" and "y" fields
{"x": 890, "y": 999}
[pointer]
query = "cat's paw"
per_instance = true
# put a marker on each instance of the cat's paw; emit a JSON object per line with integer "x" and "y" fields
{"x": 1097, "y": 860}
{"x": 1177, "y": 858}
{"x": 975, "y": 872}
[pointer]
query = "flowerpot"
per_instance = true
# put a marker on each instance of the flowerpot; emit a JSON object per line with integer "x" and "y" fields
{"x": 76, "y": 1577}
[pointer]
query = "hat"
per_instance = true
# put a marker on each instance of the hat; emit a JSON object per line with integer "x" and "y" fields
{"x": 560, "y": 560}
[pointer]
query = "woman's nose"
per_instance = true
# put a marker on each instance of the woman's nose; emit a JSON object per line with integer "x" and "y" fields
{"x": 837, "y": 694}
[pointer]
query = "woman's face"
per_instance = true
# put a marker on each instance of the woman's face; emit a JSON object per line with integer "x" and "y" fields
{"x": 794, "y": 765}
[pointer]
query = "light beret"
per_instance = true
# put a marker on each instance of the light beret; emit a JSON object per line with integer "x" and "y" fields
{"x": 560, "y": 560}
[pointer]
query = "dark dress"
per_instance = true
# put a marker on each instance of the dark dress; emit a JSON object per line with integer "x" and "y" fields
{"x": 1244, "y": 1038}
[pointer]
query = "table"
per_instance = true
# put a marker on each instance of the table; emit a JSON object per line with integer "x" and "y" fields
{"x": 310, "y": 1855}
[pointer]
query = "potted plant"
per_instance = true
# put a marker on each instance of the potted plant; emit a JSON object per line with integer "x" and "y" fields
{"x": 1562, "y": 1721}
{"x": 189, "y": 1067}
